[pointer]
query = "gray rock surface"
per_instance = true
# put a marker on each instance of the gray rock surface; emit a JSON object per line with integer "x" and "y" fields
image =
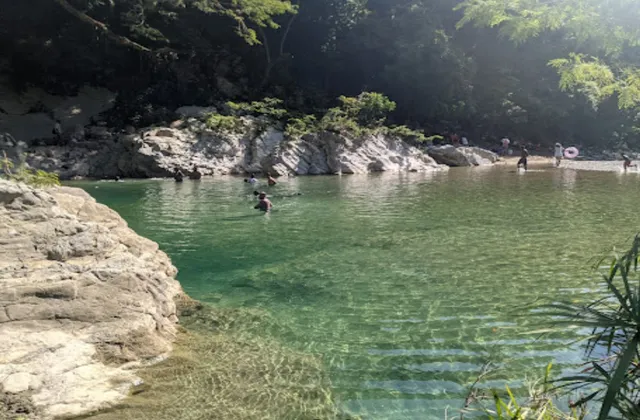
{"x": 257, "y": 146}
{"x": 25, "y": 125}
{"x": 83, "y": 299}
{"x": 462, "y": 156}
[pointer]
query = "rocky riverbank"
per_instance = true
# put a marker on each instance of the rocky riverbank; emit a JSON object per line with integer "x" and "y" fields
{"x": 84, "y": 301}
{"x": 256, "y": 145}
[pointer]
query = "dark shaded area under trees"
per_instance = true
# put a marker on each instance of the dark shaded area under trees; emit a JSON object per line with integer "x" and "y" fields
{"x": 161, "y": 55}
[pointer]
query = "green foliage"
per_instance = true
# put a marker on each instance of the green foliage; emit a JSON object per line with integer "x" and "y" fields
{"x": 35, "y": 178}
{"x": 246, "y": 12}
{"x": 218, "y": 122}
{"x": 338, "y": 121}
{"x": 369, "y": 109}
{"x": 539, "y": 404}
{"x": 406, "y": 133}
{"x": 606, "y": 26}
{"x": 298, "y": 127}
{"x": 135, "y": 16}
{"x": 596, "y": 81}
{"x": 613, "y": 377}
{"x": 268, "y": 107}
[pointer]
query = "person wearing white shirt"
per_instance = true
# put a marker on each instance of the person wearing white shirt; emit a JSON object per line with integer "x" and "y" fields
{"x": 505, "y": 145}
{"x": 558, "y": 154}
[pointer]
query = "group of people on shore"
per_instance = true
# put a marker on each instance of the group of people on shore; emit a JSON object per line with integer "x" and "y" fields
{"x": 559, "y": 153}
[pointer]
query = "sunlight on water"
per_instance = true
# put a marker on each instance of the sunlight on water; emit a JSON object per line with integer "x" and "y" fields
{"x": 405, "y": 284}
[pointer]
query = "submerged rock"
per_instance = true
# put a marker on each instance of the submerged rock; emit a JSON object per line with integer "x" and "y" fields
{"x": 462, "y": 156}
{"x": 83, "y": 299}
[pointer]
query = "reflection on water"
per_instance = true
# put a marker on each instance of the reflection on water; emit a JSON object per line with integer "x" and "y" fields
{"x": 405, "y": 284}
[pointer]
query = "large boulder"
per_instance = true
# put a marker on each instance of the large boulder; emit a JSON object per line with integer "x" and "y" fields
{"x": 31, "y": 114}
{"x": 462, "y": 156}
{"x": 327, "y": 152}
{"x": 83, "y": 299}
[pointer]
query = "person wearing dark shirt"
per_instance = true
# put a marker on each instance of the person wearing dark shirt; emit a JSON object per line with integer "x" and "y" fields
{"x": 627, "y": 163}
{"x": 178, "y": 176}
{"x": 195, "y": 174}
{"x": 522, "y": 163}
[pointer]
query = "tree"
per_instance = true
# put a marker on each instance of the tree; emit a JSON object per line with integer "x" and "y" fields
{"x": 133, "y": 16}
{"x": 604, "y": 34}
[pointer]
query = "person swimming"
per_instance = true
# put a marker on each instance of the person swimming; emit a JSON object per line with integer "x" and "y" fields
{"x": 178, "y": 176}
{"x": 271, "y": 180}
{"x": 264, "y": 204}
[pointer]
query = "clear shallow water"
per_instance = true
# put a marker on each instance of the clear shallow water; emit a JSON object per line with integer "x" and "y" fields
{"x": 405, "y": 284}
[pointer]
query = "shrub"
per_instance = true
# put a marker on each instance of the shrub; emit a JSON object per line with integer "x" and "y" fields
{"x": 369, "y": 109}
{"x": 268, "y": 107}
{"x": 406, "y": 133}
{"x": 218, "y": 122}
{"x": 298, "y": 127}
{"x": 33, "y": 177}
{"x": 337, "y": 121}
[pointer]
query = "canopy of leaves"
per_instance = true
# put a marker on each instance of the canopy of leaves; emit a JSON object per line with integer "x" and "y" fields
{"x": 566, "y": 76}
{"x": 608, "y": 28}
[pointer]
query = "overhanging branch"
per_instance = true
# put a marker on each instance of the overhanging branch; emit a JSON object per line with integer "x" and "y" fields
{"x": 124, "y": 41}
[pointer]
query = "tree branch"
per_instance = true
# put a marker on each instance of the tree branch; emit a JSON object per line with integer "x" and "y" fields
{"x": 124, "y": 41}
{"x": 286, "y": 34}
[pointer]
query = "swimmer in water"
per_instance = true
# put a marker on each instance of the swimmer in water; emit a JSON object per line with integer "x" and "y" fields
{"x": 627, "y": 163}
{"x": 523, "y": 159}
{"x": 271, "y": 180}
{"x": 178, "y": 176}
{"x": 264, "y": 204}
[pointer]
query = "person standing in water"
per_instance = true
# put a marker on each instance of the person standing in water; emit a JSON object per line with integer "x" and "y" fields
{"x": 195, "y": 174}
{"x": 271, "y": 180}
{"x": 558, "y": 154}
{"x": 264, "y": 204}
{"x": 178, "y": 176}
{"x": 523, "y": 159}
{"x": 627, "y": 163}
{"x": 505, "y": 146}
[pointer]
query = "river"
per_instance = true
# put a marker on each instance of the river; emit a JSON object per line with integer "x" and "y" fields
{"x": 404, "y": 284}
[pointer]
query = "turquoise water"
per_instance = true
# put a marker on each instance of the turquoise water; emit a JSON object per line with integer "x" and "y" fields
{"x": 406, "y": 284}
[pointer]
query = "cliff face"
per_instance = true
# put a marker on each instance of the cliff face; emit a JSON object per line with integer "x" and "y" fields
{"x": 83, "y": 300}
{"x": 256, "y": 146}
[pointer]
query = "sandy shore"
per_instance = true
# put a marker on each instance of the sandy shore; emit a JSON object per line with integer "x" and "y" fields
{"x": 578, "y": 165}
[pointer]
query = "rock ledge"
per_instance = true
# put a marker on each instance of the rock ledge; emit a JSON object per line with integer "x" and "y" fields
{"x": 83, "y": 300}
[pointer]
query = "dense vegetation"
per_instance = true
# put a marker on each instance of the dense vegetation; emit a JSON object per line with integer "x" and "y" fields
{"x": 541, "y": 71}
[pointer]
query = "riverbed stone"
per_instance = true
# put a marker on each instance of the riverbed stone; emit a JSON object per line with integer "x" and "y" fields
{"x": 462, "y": 156}
{"x": 81, "y": 298}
